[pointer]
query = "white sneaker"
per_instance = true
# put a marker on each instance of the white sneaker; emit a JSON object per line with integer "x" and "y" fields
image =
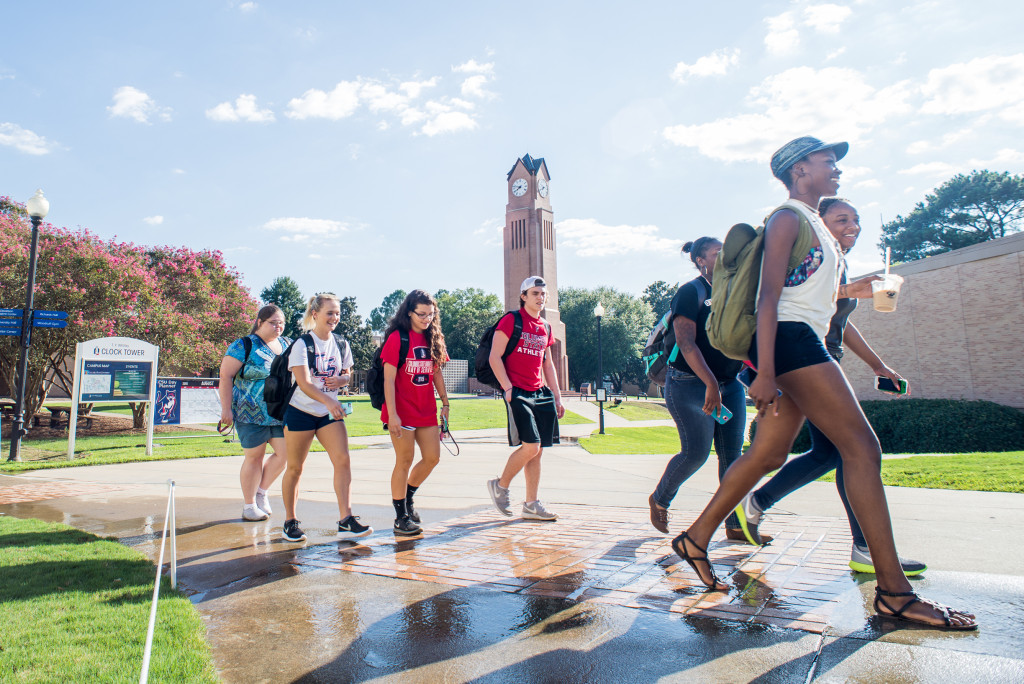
{"x": 499, "y": 495}
{"x": 253, "y": 512}
{"x": 263, "y": 502}
{"x": 535, "y": 510}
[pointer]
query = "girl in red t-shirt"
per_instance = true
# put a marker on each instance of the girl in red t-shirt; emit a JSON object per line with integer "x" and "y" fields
{"x": 410, "y": 409}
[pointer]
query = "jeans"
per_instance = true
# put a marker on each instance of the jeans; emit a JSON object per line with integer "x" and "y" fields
{"x": 684, "y": 397}
{"x": 808, "y": 467}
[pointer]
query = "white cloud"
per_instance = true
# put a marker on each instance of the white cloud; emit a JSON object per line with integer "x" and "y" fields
{"x": 414, "y": 89}
{"x": 178, "y": 172}
{"x": 1002, "y": 157}
{"x": 448, "y": 122}
{"x": 788, "y": 105}
{"x": 132, "y": 103}
{"x": 472, "y": 67}
{"x": 24, "y": 140}
{"x": 490, "y": 231}
{"x": 153, "y": 220}
{"x": 247, "y": 6}
{"x": 474, "y": 87}
{"x": 317, "y": 104}
{"x": 834, "y": 54}
{"x": 985, "y": 83}
{"x": 868, "y": 184}
{"x": 590, "y": 238}
{"x": 930, "y": 169}
{"x": 782, "y": 36}
{"x": 922, "y": 146}
{"x": 244, "y": 109}
{"x": 715, "y": 64}
{"x": 826, "y": 18}
{"x": 297, "y": 229}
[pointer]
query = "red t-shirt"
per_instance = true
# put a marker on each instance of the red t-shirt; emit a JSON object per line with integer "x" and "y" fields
{"x": 525, "y": 364}
{"x": 414, "y": 382}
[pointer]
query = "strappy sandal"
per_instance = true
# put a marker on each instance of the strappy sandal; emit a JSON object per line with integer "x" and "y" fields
{"x": 892, "y": 613}
{"x": 679, "y": 546}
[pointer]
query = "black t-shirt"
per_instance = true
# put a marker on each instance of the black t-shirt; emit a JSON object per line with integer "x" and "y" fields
{"x": 837, "y": 326}
{"x": 693, "y": 301}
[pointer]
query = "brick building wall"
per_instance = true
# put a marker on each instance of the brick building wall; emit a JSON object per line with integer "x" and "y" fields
{"x": 958, "y": 331}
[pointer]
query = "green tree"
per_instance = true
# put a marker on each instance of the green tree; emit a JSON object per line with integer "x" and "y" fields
{"x": 963, "y": 211}
{"x": 286, "y": 294}
{"x": 351, "y": 327}
{"x": 659, "y": 296}
{"x": 379, "y": 317}
{"x": 465, "y": 314}
{"x": 624, "y": 329}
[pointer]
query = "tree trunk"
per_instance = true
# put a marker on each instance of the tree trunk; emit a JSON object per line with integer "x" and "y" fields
{"x": 138, "y": 414}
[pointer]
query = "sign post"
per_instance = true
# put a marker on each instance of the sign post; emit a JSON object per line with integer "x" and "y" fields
{"x": 114, "y": 370}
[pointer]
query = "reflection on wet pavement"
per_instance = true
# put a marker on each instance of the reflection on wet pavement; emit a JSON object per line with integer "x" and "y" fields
{"x": 610, "y": 555}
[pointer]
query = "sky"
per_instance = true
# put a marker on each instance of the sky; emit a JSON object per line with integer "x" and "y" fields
{"x": 362, "y": 147}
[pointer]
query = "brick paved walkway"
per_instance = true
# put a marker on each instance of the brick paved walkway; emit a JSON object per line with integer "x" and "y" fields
{"x": 27, "y": 493}
{"x": 612, "y": 555}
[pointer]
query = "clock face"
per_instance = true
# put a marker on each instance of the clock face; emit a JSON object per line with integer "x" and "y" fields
{"x": 519, "y": 187}
{"x": 542, "y": 187}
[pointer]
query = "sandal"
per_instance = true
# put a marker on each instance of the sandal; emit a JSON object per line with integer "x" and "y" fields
{"x": 679, "y": 546}
{"x": 895, "y": 614}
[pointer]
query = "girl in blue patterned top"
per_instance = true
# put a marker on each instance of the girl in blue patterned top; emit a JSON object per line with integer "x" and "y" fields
{"x": 241, "y": 401}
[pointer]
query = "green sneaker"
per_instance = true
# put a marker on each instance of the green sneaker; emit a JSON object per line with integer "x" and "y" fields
{"x": 749, "y": 516}
{"x": 860, "y": 561}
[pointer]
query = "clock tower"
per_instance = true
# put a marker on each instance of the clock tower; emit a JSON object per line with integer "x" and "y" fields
{"x": 529, "y": 238}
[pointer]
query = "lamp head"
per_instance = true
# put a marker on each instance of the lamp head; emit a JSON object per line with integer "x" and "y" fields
{"x": 599, "y": 310}
{"x": 37, "y": 205}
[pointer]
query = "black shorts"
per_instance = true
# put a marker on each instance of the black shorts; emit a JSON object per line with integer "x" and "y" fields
{"x": 297, "y": 420}
{"x": 532, "y": 417}
{"x": 796, "y": 346}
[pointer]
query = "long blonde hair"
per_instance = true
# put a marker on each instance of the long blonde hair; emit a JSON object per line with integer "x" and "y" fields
{"x": 315, "y": 304}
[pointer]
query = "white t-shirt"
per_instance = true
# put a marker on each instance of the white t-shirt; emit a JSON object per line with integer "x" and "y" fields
{"x": 330, "y": 362}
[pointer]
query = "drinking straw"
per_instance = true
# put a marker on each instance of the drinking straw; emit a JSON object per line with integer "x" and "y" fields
{"x": 886, "y": 261}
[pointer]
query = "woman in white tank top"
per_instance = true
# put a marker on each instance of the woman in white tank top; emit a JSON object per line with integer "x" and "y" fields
{"x": 797, "y": 378}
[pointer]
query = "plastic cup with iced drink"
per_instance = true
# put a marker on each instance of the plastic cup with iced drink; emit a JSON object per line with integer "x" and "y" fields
{"x": 886, "y": 291}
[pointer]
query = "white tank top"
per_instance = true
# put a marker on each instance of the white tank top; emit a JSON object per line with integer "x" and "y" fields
{"x": 814, "y": 301}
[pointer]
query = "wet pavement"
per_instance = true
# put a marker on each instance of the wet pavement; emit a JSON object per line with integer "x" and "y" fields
{"x": 597, "y": 596}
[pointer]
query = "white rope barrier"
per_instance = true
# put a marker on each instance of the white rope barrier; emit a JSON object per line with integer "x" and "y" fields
{"x": 168, "y": 518}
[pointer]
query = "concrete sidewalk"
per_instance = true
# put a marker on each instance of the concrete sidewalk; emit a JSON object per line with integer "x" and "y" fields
{"x": 330, "y": 611}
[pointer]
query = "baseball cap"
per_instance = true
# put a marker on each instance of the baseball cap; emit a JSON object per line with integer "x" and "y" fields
{"x": 795, "y": 150}
{"x": 532, "y": 281}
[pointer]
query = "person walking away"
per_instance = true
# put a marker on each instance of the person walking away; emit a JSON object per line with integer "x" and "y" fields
{"x": 532, "y": 397}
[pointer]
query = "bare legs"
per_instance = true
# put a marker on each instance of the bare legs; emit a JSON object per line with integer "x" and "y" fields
{"x": 405, "y": 451}
{"x": 527, "y": 459}
{"x": 334, "y": 438}
{"x": 257, "y": 473}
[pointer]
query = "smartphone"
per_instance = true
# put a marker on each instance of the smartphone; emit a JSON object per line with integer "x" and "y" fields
{"x": 347, "y": 408}
{"x": 444, "y": 427}
{"x": 722, "y": 415}
{"x": 884, "y": 384}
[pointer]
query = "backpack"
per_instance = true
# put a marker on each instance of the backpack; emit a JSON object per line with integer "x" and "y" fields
{"x": 661, "y": 349}
{"x": 375, "y": 374}
{"x": 732, "y": 321}
{"x": 280, "y": 385}
{"x": 481, "y": 360}
{"x": 247, "y": 346}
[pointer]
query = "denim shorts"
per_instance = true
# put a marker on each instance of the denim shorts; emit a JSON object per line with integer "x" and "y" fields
{"x": 796, "y": 346}
{"x": 252, "y": 435}
{"x": 297, "y": 420}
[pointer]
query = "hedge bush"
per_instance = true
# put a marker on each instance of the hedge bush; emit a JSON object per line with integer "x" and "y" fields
{"x": 945, "y": 426}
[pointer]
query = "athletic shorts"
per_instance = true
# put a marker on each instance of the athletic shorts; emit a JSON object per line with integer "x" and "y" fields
{"x": 298, "y": 420}
{"x": 532, "y": 417}
{"x": 252, "y": 435}
{"x": 796, "y": 346}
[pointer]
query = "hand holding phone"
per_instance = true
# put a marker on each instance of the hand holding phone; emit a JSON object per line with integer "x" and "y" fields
{"x": 884, "y": 384}
{"x": 721, "y": 414}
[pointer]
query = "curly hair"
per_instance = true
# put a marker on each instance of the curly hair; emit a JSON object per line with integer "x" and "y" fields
{"x": 698, "y": 249}
{"x": 826, "y": 203}
{"x": 401, "y": 321}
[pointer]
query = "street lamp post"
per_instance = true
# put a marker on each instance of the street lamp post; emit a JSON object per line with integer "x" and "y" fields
{"x": 37, "y": 209}
{"x": 599, "y": 387}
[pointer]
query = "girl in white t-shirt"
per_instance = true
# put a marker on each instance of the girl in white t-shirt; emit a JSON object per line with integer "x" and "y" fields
{"x": 314, "y": 411}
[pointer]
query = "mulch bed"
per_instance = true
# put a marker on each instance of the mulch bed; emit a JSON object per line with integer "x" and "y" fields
{"x": 101, "y": 425}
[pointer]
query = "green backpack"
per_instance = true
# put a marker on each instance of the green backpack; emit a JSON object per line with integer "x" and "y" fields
{"x": 732, "y": 320}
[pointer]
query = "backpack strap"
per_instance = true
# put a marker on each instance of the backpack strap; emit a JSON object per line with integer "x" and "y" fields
{"x": 307, "y": 339}
{"x": 517, "y": 333}
{"x": 403, "y": 346}
{"x": 247, "y": 345}
{"x": 342, "y": 344}
{"x": 804, "y": 237}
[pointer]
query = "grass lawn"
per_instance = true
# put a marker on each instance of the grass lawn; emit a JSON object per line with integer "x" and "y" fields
{"x": 638, "y": 410}
{"x": 40, "y": 454}
{"x": 636, "y": 440}
{"x": 74, "y": 608}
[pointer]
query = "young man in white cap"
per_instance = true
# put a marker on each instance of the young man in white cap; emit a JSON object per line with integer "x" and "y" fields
{"x": 534, "y": 402}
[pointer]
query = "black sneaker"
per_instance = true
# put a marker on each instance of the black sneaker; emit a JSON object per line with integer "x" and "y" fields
{"x": 413, "y": 514}
{"x": 292, "y": 531}
{"x": 349, "y": 528}
{"x": 405, "y": 527}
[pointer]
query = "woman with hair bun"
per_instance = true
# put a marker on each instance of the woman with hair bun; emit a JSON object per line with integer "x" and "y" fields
{"x": 410, "y": 409}
{"x": 245, "y": 366}
{"x": 699, "y": 383}
{"x": 320, "y": 362}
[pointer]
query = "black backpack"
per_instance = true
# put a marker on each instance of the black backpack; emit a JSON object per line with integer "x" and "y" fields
{"x": 375, "y": 375}
{"x": 481, "y": 361}
{"x": 661, "y": 349}
{"x": 280, "y": 385}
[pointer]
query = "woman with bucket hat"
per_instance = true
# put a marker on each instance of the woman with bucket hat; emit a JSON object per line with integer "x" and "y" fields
{"x": 793, "y": 314}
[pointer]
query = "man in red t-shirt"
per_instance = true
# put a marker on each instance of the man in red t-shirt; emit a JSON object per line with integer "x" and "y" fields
{"x": 531, "y": 395}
